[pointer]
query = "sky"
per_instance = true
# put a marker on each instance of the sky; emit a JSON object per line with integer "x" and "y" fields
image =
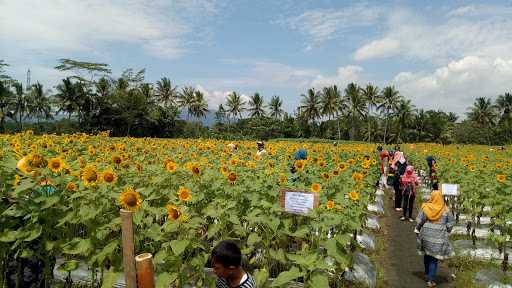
{"x": 439, "y": 54}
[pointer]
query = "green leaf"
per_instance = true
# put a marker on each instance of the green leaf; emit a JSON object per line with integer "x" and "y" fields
{"x": 78, "y": 246}
{"x": 319, "y": 280}
{"x": 212, "y": 230}
{"x": 164, "y": 280}
{"x": 50, "y": 201}
{"x": 33, "y": 234}
{"x": 110, "y": 278}
{"x": 9, "y": 236}
{"x": 178, "y": 246}
{"x": 286, "y": 276}
{"x": 68, "y": 266}
{"x": 253, "y": 239}
{"x": 261, "y": 277}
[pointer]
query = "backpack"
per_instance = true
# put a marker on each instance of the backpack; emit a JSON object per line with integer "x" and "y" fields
{"x": 408, "y": 190}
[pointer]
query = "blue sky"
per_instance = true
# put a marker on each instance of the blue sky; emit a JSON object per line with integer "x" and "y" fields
{"x": 440, "y": 54}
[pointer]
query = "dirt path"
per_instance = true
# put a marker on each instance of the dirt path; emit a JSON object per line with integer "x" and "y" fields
{"x": 402, "y": 266}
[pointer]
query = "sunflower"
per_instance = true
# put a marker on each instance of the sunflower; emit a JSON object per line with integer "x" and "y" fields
{"x": 472, "y": 168}
{"x": 342, "y": 166}
{"x": 299, "y": 164}
{"x": 326, "y": 176}
{"x": 183, "y": 218}
{"x": 365, "y": 165}
{"x": 117, "y": 159}
{"x": 173, "y": 212}
{"x": 109, "y": 176}
{"x": 330, "y": 204}
{"x": 17, "y": 179}
{"x": 351, "y": 161}
{"x": 501, "y": 178}
{"x": 90, "y": 175}
{"x": 353, "y": 195}
{"x": 232, "y": 177}
{"x": 91, "y": 151}
{"x": 195, "y": 170}
{"x": 335, "y": 172}
{"x": 357, "y": 176}
{"x": 322, "y": 164}
{"x": 233, "y": 161}
{"x": 184, "y": 194}
{"x": 283, "y": 179}
{"x": 130, "y": 199}
{"x": 315, "y": 187}
{"x": 37, "y": 161}
{"x": 71, "y": 186}
{"x": 499, "y": 165}
{"x": 223, "y": 170}
{"x": 56, "y": 165}
{"x": 170, "y": 166}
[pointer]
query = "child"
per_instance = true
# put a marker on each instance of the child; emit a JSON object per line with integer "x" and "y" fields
{"x": 227, "y": 265}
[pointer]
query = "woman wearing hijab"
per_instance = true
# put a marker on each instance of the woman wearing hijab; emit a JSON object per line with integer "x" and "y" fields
{"x": 409, "y": 181}
{"x": 435, "y": 222}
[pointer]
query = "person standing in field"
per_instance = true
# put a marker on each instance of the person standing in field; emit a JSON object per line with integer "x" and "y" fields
{"x": 261, "y": 150}
{"x": 226, "y": 260}
{"x": 435, "y": 222}
{"x": 408, "y": 182}
{"x": 399, "y": 162}
{"x": 384, "y": 160}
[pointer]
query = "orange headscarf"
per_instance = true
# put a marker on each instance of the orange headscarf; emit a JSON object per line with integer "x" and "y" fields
{"x": 434, "y": 208}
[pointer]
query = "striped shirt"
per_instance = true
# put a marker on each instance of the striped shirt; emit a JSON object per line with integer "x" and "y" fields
{"x": 247, "y": 283}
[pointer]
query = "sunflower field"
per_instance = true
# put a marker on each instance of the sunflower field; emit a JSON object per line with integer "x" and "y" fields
{"x": 61, "y": 197}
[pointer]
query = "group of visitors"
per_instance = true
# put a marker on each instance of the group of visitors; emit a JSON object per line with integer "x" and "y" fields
{"x": 402, "y": 177}
{"x": 434, "y": 220}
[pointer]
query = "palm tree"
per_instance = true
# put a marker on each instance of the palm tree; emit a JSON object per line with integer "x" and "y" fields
{"x": 483, "y": 114}
{"x": 167, "y": 95}
{"x": 356, "y": 106}
{"x": 20, "y": 106}
{"x": 66, "y": 97}
{"x": 256, "y": 105}
{"x": 420, "y": 124}
{"x": 275, "y": 107}
{"x": 329, "y": 102}
{"x": 186, "y": 99}
{"x": 38, "y": 103}
{"x": 390, "y": 97}
{"x": 235, "y": 105}
{"x": 404, "y": 115}
{"x": 372, "y": 96}
{"x": 199, "y": 107}
{"x": 310, "y": 105}
{"x": 6, "y": 100}
{"x": 146, "y": 90}
{"x": 220, "y": 114}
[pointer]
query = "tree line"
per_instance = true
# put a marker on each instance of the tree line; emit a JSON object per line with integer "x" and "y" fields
{"x": 91, "y": 100}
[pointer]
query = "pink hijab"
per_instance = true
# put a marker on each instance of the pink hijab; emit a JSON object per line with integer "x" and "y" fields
{"x": 409, "y": 175}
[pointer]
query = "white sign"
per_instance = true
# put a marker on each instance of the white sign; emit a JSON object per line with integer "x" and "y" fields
{"x": 450, "y": 189}
{"x": 298, "y": 202}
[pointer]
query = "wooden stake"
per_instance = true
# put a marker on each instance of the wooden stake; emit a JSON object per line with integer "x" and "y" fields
{"x": 145, "y": 271}
{"x": 130, "y": 276}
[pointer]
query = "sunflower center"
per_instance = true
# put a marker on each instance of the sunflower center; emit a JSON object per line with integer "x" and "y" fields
{"x": 109, "y": 177}
{"x": 131, "y": 200}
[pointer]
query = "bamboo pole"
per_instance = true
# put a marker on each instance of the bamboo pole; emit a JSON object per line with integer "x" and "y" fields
{"x": 130, "y": 276}
{"x": 145, "y": 271}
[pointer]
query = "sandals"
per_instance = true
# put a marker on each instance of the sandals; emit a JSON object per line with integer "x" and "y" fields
{"x": 431, "y": 284}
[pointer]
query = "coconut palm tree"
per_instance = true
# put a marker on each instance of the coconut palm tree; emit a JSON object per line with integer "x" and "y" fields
{"x": 199, "y": 106}
{"x": 483, "y": 113}
{"x": 6, "y": 101}
{"x": 186, "y": 99}
{"x": 390, "y": 98}
{"x": 256, "y": 106}
{"x": 66, "y": 97}
{"x": 275, "y": 107}
{"x": 220, "y": 114}
{"x": 166, "y": 93}
{"x": 38, "y": 103}
{"x": 235, "y": 105}
{"x": 371, "y": 95}
{"x": 356, "y": 107}
{"x": 20, "y": 103}
{"x": 310, "y": 105}
{"x": 404, "y": 115}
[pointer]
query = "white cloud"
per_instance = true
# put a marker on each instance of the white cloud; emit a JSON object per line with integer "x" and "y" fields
{"x": 344, "y": 76}
{"x": 87, "y": 25}
{"x": 263, "y": 74}
{"x": 453, "y": 87}
{"x": 442, "y": 39}
{"x": 378, "y": 48}
{"x": 323, "y": 24}
{"x": 213, "y": 97}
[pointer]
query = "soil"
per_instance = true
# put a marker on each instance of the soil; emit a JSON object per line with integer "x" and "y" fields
{"x": 402, "y": 265}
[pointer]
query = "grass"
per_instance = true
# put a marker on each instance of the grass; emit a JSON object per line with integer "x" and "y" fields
{"x": 465, "y": 269}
